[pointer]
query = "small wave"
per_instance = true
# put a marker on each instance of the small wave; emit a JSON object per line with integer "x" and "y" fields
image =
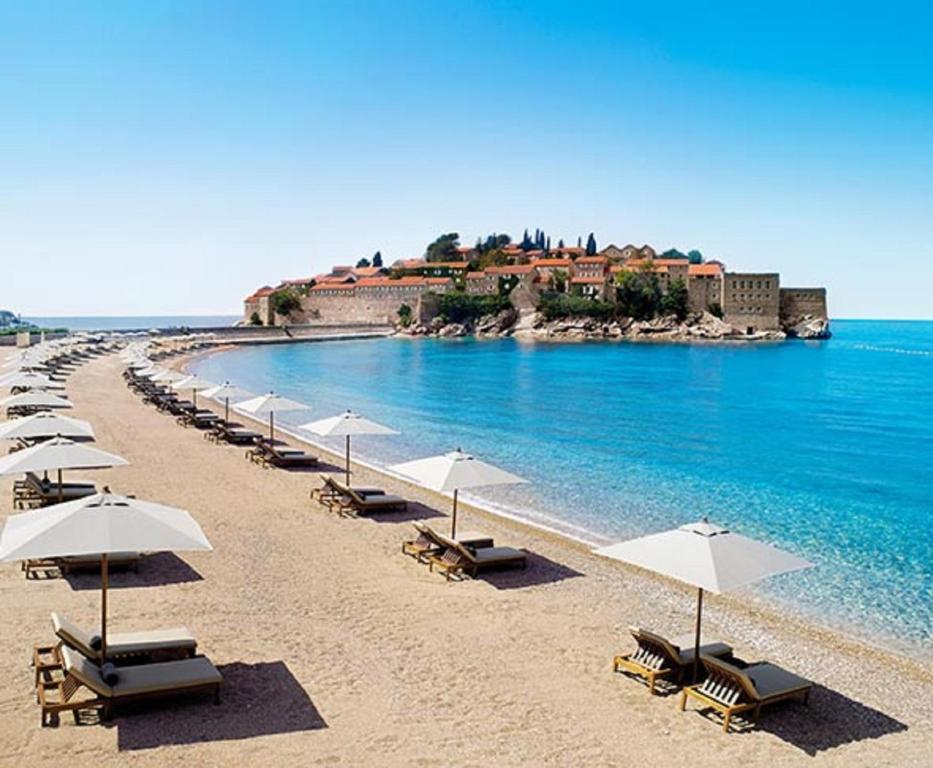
{"x": 895, "y": 350}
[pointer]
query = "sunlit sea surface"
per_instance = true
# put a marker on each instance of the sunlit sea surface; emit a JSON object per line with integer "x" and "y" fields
{"x": 824, "y": 448}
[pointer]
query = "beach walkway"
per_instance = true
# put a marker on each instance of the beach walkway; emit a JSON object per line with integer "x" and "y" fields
{"x": 337, "y": 650}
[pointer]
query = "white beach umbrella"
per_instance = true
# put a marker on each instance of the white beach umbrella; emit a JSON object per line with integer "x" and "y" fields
{"x": 42, "y": 425}
{"x": 347, "y": 425}
{"x": 268, "y": 405}
{"x": 58, "y": 454}
{"x": 102, "y": 524}
{"x": 29, "y": 380}
{"x": 705, "y": 556}
{"x": 453, "y": 471}
{"x": 35, "y": 399}
{"x": 194, "y": 383}
{"x": 225, "y": 392}
{"x": 167, "y": 376}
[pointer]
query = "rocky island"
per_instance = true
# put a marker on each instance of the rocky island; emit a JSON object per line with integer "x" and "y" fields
{"x": 535, "y": 291}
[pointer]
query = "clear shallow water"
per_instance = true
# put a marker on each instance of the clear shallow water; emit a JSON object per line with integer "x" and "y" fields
{"x": 134, "y": 322}
{"x": 825, "y": 448}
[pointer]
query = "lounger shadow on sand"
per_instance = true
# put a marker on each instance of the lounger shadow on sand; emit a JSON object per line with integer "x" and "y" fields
{"x": 259, "y": 699}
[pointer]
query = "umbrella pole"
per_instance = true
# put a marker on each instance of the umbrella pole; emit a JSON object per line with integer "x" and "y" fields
{"x": 348, "y": 461}
{"x": 696, "y": 641}
{"x": 104, "y": 578}
{"x": 271, "y": 427}
{"x": 61, "y": 488}
{"x": 453, "y": 520}
{"x": 194, "y": 397}
{"x": 226, "y": 411}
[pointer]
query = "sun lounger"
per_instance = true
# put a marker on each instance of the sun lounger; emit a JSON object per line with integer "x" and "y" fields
{"x": 267, "y": 454}
{"x": 34, "y": 491}
{"x": 354, "y": 500}
{"x": 430, "y": 543}
{"x": 657, "y": 658}
{"x": 75, "y": 563}
{"x": 139, "y": 683}
{"x": 731, "y": 689}
{"x": 235, "y": 434}
{"x": 122, "y": 647}
{"x": 458, "y": 560}
{"x": 331, "y": 489}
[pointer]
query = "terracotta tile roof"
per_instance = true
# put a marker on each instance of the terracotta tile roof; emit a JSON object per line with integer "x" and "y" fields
{"x": 266, "y": 290}
{"x": 411, "y": 263}
{"x": 371, "y": 282}
{"x": 571, "y": 249}
{"x": 438, "y": 281}
{"x": 368, "y": 271}
{"x": 332, "y": 287}
{"x": 334, "y": 279}
{"x": 475, "y": 275}
{"x": 448, "y": 264}
{"x": 660, "y": 262}
{"x": 552, "y": 263}
{"x": 588, "y": 280}
{"x": 511, "y": 269}
{"x": 592, "y": 260}
{"x": 705, "y": 269}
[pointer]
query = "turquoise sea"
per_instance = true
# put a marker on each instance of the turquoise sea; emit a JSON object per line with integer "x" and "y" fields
{"x": 825, "y": 448}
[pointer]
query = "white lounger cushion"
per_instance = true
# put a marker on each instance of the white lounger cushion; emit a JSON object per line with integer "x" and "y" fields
{"x": 146, "y": 678}
{"x": 124, "y": 643}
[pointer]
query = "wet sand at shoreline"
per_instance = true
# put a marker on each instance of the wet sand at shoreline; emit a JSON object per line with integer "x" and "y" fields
{"x": 336, "y": 649}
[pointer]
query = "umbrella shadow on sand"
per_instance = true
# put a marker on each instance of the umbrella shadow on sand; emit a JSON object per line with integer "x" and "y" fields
{"x": 831, "y": 720}
{"x": 259, "y": 699}
{"x": 156, "y": 570}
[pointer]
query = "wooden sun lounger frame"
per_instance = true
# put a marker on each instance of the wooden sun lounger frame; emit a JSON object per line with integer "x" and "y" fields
{"x": 56, "y": 695}
{"x": 734, "y": 695}
{"x": 267, "y": 455}
{"x": 457, "y": 560}
{"x": 654, "y": 659}
{"x": 428, "y": 543}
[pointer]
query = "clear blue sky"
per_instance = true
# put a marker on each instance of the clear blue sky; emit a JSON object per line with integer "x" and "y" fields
{"x": 169, "y": 157}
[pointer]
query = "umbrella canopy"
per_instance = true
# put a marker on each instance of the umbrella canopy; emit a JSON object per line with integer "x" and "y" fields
{"x": 166, "y": 375}
{"x": 58, "y": 454}
{"x": 705, "y": 556}
{"x": 194, "y": 383}
{"x": 101, "y": 524}
{"x": 268, "y": 405}
{"x": 225, "y": 392}
{"x": 347, "y": 424}
{"x": 35, "y": 399}
{"x": 453, "y": 471}
{"x": 29, "y": 380}
{"x": 42, "y": 425}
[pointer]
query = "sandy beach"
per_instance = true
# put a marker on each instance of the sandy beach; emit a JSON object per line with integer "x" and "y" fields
{"x": 338, "y": 650}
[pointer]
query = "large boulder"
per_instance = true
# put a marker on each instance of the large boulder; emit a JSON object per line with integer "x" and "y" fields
{"x": 809, "y": 327}
{"x": 453, "y": 330}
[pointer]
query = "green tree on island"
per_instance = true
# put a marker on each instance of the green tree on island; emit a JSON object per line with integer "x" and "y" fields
{"x": 404, "y": 315}
{"x": 285, "y": 301}
{"x": 695, "y": 256}
{"x": 639, "y": 293}
{"x": 362, "y": 263}
{"x": 674, "y": 302}
{"x": 444, "y": 248}
{"x": 377, "y": 259}
{"x": 591, "y": 245}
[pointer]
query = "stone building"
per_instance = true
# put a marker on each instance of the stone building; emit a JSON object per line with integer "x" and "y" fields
{"x": 798, "y": 303}
{"x": 751, "y": 301}
{"x": 704, "y": 286}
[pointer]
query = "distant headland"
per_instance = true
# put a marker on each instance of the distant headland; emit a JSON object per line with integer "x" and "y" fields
{"x": 533, "y": 290}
